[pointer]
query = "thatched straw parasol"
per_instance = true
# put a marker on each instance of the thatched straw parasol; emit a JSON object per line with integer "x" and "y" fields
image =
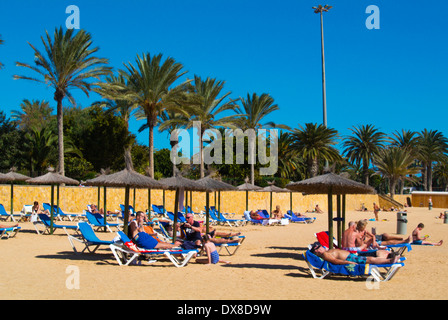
{"x": 12, "y": 176}
{"x": 247, "y": 187}
{"x": 127, "y": 178}
{"x": 272, "y": 188}
{"x": 178, "y": 183}
{"x": 52, "y": 178}
{"x": 330, "y": 184}
{"x": 215, "y": 185}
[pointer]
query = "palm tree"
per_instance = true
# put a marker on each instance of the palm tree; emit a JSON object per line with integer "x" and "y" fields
{"x": 395, "y": 163}
{"x": 67, "y": 63}
{"x": 365, "y": 143}
{"x": 314, "y": 143}
{"x": 34, "y": 114}
{"x": 255, "y": 110}
{"x": 441, "y": 174}
{"x": 289, "y": 163}
{"x": 149, "y": 87}
{"x": 432, "y": 146}
{"x": 205, "y": 107}
{"x": 170, "y": 121}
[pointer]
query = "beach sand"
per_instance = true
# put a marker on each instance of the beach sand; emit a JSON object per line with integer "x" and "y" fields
{"x": 268, "y": 266}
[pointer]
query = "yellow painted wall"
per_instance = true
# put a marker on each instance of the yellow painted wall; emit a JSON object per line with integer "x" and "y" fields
{"x": 75, "y": 199}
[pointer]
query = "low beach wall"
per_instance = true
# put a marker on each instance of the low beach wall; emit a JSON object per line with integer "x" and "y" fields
{"x": 75, "y": 199}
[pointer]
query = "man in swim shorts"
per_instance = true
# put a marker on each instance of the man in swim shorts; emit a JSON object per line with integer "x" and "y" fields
{"x": 338, "y": 256}
{"x": 144, "y": 240}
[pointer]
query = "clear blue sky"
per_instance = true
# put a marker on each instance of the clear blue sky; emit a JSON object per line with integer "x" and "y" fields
{"x": 394, "y": 78}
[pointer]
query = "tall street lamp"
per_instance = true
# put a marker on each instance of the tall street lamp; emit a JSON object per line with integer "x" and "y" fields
{"x": 320, "y": 9}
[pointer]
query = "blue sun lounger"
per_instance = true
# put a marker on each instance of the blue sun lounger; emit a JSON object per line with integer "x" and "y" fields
{"x": 10, "y": 232}
{"x": 97, "y": 221}
{"x": 4, "y": 215}
{"x": 128, "y": 252}
{"x": 294, "y": 218}
{"x": 88, "y": 238}
{"x": 46, "y": 221}
{"x": 380, "y": 272}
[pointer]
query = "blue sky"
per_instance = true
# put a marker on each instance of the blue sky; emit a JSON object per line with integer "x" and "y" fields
{"x": 394, "y": 77}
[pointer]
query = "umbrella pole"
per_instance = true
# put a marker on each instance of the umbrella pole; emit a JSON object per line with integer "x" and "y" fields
{"x": 57, "y": 198}
{"x": 104, "y": 209}
{"x": 176, "y": 208}
{"x": 98, "y": 194}
{"x": 12, "y": 199}
{"x": 290, "y": 201}
{"x": 149, "y": 204}
{"x": 339, "y": 221}
{"x": 52, "y": 209}
{"x": 207, "y": 211}
{"x": 247, "y": 200}
{"x": 126, "y": 210}
{"x": 270, "y": 212}
{"x": 191, "y": 200}
{"x": 219, "y": 201}
{"x": 343, "y": 212}
{"x": 134, "y": 201}
{"x": 164, "y": 209}
{"x": 186, "y": 201}
{"x": 330, "y": 218}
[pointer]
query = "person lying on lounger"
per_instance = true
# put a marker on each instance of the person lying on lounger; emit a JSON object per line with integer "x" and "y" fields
{"x": 418, "y": 239}
{"x": 220, "y": 237}
{"x": 338, "y": 256}
{"x": 255, "y": 216}
{"x": 5, "y": 226}
{"x": 144, "y": 240}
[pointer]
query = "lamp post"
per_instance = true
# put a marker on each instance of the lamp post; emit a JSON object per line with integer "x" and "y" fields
{"x": 321, "y": 10}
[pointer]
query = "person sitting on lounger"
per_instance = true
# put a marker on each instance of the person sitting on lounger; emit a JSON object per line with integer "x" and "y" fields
{"x": 144, "y": 240}
{"x": 36, "y": 209}
{"x": 338, "y": 256}
{"x": 277, "y": 213}
{"x": 418, "y": 239}
{"x": 349, "y": 238}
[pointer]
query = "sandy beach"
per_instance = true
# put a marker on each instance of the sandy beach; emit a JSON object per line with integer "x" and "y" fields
{"x": 269, "y": 266}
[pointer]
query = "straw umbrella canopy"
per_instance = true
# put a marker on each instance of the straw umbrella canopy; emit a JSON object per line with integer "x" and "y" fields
{"x": 272, "y": 188}
{"x": 12, "y": 176}
{"x": 215, "y": 185}
{"x": 332, "y": 184}
{"x": 248, "y": 187}
{"x": 52, "y": 178}
{"x": 127, "y": 178}
{"x": 177, "y": 183}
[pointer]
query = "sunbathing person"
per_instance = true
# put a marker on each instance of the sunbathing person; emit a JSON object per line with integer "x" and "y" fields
{"x": 418, "y": 239}
{"x": 5, "y": 226}
{"x": 317, "y": 209}
{"x": 255, "y": 216}
{"x": 220, "y": 237}
{"x": 338, "y": 256}
{"x": 365, "y": 237}
{"x": 36, "y": 209}
{"x": 144, "y": 240}
{"x": 349, "y": 238}
{"x": 277, "y": 213}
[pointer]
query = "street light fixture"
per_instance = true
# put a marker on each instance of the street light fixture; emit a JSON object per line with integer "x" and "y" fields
{"x": 320, "y": 9}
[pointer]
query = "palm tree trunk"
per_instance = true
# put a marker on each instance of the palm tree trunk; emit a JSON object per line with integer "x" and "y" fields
{"x": 151, "y": 150}
{"x": 58, "y": 97}
{"x": 429, "y": 175}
